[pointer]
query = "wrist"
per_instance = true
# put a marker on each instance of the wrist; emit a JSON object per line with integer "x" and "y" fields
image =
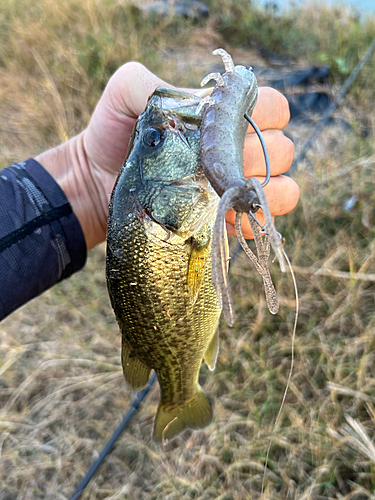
{"x": 69, "y": 166}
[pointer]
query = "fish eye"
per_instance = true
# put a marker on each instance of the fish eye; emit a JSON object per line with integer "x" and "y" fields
{"x": 152, "y": 137}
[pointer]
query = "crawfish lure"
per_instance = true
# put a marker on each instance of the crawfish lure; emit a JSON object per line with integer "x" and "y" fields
{"x": 223, "y": 130}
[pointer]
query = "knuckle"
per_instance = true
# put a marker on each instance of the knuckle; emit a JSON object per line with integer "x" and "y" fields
{"x": 281, "y": 151}
{"x": 292, "y": 197}
{"x": 273, "y": 109}
{"x": 289, "y": 152}
{"x": 296, "y": 193}
{"x": 283, "y": 111}
{"x": 127, "y": 71}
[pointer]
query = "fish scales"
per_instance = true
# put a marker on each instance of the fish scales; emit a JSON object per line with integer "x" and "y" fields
{"x": 160, "y": 224}
{"x": 153, "y": 314}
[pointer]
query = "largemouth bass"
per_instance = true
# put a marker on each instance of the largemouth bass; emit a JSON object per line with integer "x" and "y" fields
{"x": 161, "y": 218}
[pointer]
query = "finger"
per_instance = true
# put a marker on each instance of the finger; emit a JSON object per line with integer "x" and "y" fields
{"x": 282, "y": 195}
{"x": 271, "y": 110}
{"x": 280, "y": 151}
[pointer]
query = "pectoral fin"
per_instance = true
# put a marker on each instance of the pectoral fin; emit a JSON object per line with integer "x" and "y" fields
{"x": 197, "y": 268}
{"x": 135, "y": 371}
{"x": 212, "y": 351}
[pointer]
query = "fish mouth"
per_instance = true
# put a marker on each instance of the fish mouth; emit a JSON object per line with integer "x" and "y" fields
{"x": 187, "y": 183}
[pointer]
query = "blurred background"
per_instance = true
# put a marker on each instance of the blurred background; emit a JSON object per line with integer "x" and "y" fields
{"x": 62, "y": 391}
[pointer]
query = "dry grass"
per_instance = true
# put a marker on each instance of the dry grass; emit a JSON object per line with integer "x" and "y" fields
{"x": 61, "y": 387}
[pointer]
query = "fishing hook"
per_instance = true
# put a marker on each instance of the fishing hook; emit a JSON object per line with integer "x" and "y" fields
{"x": 265, "y": 152}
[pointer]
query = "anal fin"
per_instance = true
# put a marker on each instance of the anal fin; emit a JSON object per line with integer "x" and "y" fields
{"x": 212, "y": 351}
{"x": 135, "y": 371}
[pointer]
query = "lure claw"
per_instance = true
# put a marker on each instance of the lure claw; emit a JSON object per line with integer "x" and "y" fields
{"x": 227, "y": 59}
{"x": 275, "y": 240}
{"x": 213, "y": 76}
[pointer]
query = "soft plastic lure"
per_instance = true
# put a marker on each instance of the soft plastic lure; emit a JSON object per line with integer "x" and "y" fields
{"x": 223, "y": 131}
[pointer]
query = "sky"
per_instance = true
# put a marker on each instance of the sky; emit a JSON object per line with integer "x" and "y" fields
{"x": 360, "y": 5}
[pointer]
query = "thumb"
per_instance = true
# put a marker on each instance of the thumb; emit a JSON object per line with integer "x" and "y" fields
{"x": 129, "y": 88}
{"x": 123, "y": 100}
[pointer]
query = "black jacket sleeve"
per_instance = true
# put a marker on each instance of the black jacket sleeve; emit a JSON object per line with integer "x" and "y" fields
{"x": 41, "y": 240}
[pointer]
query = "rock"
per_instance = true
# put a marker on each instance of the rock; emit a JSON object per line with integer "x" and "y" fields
{"x": 183, "y": 8}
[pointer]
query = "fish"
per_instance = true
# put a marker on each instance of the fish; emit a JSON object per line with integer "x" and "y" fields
{"x": 158, "y": 264}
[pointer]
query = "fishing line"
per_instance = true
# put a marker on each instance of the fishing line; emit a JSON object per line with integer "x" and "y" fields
{"x": 318, "y": 128}
{"x": 291, "y": 366}
{"x": 265, "y": 152}
{"x": 139, "y": 397}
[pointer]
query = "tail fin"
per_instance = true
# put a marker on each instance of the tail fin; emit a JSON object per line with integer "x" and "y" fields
{"x": 196, "y": 413}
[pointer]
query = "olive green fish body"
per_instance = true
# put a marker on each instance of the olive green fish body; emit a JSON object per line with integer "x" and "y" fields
{"x": 160, "y": 226}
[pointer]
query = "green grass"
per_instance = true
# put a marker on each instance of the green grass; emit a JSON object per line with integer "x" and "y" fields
{"x": 61, "y": 388}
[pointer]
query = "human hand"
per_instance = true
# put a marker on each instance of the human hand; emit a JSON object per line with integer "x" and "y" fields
{"x": 86, "y": 166}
